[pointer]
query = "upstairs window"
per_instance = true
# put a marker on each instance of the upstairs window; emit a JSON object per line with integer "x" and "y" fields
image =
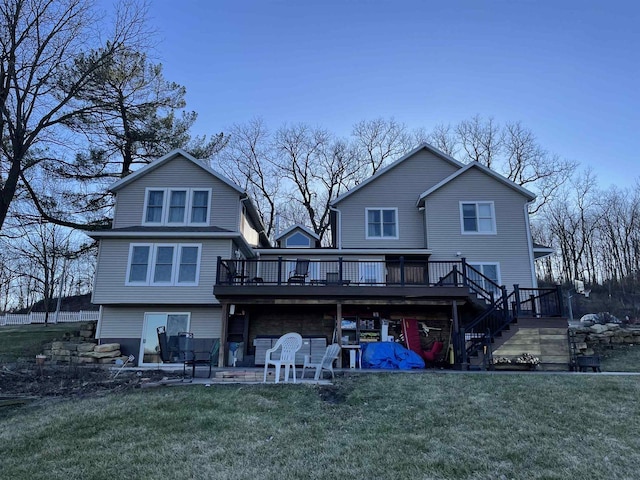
{"x": 382, "y": 223}
{"x": 177, "y": 206}
{"x": 477, "y": 217}
{"x": 199, "y": 206}
{"x": 168, "y": 206}
{"x": 163, "y": 264}
{"x": 155, "y": 203}
{"x": 139, "y": 264}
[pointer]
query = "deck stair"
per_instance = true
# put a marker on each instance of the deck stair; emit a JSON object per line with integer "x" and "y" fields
{"x": 545, "y": 338}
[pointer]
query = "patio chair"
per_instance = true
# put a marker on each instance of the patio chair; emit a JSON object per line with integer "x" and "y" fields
{"x": 169, "y": 352}
{"x": 326, "y": 363}
{"x": 191, "y": 356}
{"x": 301, "y": 272}
{"x": 288, "y": 345}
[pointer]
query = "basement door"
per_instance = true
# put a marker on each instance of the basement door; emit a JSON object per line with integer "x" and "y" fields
{"x": 150, "y": 346}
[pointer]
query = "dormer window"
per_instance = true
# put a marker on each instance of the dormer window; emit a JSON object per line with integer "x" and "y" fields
{"x": 168, "y": 206}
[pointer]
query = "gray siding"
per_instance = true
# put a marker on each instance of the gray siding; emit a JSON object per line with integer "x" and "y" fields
{"x": 399, "y": 188}
{"x": 509, "y": 247}
{"x": 111, "y": 274}
{"x": 179, "y": 172}
{"x": 127, "y": 322}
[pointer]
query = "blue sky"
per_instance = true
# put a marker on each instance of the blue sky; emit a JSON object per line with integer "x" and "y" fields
{"x": 569, "y": 70}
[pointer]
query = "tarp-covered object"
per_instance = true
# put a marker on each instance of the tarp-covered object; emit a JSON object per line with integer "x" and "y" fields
{"x": 389, "y": 356}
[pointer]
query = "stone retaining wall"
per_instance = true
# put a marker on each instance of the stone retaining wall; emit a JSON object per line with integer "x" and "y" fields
{"x": 589, "y": 336}
{"x": 82, "y": 347}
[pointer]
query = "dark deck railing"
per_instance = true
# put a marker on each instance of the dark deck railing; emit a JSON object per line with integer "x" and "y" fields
{"x": 339, "y": 271}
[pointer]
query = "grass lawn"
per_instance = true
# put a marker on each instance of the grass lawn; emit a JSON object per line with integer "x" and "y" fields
{"x": 620, "y": 358}
{"x": 382, "y": 426}
{"x": 24, "y": 342}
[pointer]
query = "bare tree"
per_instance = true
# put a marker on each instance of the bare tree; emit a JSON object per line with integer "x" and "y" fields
{"x": 248, "y": 161}
{"x": 480, "y": 140}
{"x": 380, "y": 141}
{"x": 41, "y": 78}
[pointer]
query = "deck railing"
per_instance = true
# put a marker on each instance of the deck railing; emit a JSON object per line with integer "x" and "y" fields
{"x": 339, "y": 271}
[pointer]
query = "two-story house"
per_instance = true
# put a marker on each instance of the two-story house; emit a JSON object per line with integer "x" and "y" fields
{"x": 157, "y": 265}
{"x": 427, "y": 237}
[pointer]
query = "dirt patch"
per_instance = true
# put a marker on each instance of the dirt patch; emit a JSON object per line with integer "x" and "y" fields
{"x": 30, "y": 381}
{"x": 332, "y": 394}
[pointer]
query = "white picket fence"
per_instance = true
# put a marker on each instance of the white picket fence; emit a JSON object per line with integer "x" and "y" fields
{"x": 38, "y": 317}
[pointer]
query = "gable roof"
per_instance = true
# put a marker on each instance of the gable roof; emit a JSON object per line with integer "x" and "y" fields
{"x": 384, "y": 170}
{"x": 299, "y": 226}
{"x": 486, "y": 170}
{"x": 178, "y": 152}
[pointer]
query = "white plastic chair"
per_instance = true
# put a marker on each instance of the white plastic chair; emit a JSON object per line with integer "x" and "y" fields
{"x": 330, "y": 355}
{"x": 288, "y": 344}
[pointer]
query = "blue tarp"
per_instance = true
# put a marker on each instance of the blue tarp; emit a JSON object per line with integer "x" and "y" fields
{"x": 389, "y": 356}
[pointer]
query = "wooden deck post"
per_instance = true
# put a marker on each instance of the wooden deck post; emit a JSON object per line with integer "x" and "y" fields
{"x": 224, "y": 327}
{"x": 339, "y": 330}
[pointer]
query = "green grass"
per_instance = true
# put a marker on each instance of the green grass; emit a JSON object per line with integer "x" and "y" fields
{"x": 386, "y": 426}
{"x": 620, "y": 358}
{"x": 24, "y": 342}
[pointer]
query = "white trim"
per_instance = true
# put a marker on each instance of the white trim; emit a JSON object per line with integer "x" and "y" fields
{"x": 127, "y": 282}
{"x": 166, "y": 158}
{"x": 168, "y": 234}
{"x": 166, "y": 207}
{"x": 494, "y": 230}
{"x": 147, "y": 190}
{"x": 529, "y": 195}
{"x": 190, "y": 209}
{"x": 181, "y": 246}
{"x": 384, "y": 170}
{"x": 152, "y": 264}
{"x": 382, "y": 236}
{"x": 307, "y": 230}
{"x": 347, "y": 251}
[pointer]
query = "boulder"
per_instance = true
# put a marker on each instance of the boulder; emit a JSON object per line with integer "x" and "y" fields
{"x": 107, "y": 347}
{"x": 112, "y": 354}
{"x": 85, "y": 347}
{"x": 597, "y": 328}
{"x": 60, "y": 353}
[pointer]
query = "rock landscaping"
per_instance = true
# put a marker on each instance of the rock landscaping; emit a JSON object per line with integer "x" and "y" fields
{"x": 590, "y": 337}
{"x": 82, "y": 347}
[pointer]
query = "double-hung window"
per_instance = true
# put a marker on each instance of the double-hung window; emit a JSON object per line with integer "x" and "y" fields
{"x": 477, "y": 218}
{"x": 382, "y": 223}
{"x": 154, "y": 206}
{"x": 174, "y": 206}
{"x": 163, "y": 264}
{"x": 177, "y": 206}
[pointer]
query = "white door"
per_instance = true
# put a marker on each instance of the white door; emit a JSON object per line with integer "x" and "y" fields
{"x": 370, "y": 272}
{"x": 174, "y": 323}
